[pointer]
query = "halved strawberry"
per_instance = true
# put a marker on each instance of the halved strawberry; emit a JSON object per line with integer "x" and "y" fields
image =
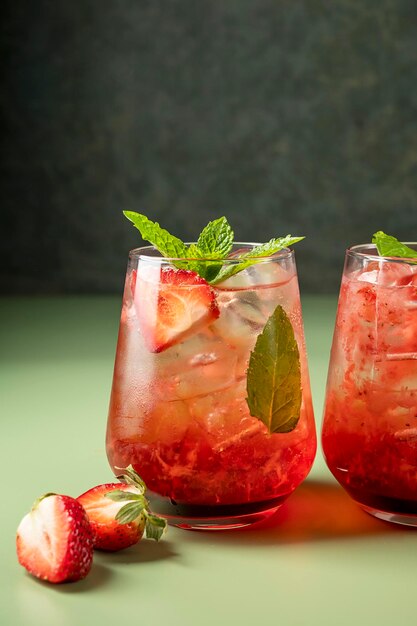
{"x": 119, "y": 513}
{"x": 172, "y": 304}
{"x": 55, "y": 541}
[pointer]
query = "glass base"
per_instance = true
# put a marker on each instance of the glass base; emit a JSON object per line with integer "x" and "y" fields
{"x": 395, "y": 518}
{"x": 215, "y": 517}
{"x": 396, "y": 510}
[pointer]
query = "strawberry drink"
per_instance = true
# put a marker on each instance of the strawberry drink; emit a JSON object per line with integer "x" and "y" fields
{"x": 211, "y": 401}
{"x": 370, "y": 420}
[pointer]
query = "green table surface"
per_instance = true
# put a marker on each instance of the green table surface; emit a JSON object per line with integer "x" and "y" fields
{"x": 323, "y": 561}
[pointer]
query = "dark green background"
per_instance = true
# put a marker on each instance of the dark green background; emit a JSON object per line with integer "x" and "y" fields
{"x": 287, "y": 116}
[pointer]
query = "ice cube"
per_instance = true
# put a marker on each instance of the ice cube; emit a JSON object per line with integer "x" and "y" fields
{"x": 224, "y": 416}
{"x": 269, "y": 273}
{"x": 387, "y": 274}
{"x": 204, "y": 346}
{"x": 203, "y": 378}
{"x": 260, "y": 273}
{"x": 410, "y": 293}
{"x": 368, "y": 277}
{"x": 395, "y": 274}
{"x": 241, "y": 319}
{"x": 241, "y": 280}
{"x": 226, "y": 406}
{"x": 201, "y": 365}
{"x": 396, "y": 318}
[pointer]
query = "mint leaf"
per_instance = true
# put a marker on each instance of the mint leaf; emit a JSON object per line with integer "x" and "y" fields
{"x": 168, "y": 245}
{"x": 390, "y": 246}
{"x": 215, "y": 240}
{"x": 274, "y": 375}
{"x": 154, "y": 526}
{"x": 255, "y": 255}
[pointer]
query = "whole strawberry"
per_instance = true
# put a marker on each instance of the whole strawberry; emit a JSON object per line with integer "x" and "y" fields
{"x": 119, "y": 513}
{"x": 54, "y": 541}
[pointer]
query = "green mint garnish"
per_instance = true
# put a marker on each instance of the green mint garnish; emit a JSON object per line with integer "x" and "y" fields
{"x": 213, "y": 245}
{"x": 137, "y": 505}
{"x": 255, "y": 256}
{"x": 390, "y": 246}
{"x": 168, "y": 245}
{"x": 274, "y": 375}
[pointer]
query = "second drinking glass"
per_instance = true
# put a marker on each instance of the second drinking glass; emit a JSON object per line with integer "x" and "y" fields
{"x": 370, "y": 421}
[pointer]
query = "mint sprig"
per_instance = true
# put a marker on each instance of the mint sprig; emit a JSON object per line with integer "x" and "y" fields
{"x": 390, "y": 246}
{"x": 207, "y": 257}
{"x": 274, "y": 375}
{"x": 137, "y": 505}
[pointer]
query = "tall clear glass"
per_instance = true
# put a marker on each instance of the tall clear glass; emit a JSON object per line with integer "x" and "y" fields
{"x": 369, "y": 434}
{"x": 180, "y": 416}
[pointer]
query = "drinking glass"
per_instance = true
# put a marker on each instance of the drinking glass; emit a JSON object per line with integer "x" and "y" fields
{"x": 180, "y": 416}
{"x": 369, "y": 433}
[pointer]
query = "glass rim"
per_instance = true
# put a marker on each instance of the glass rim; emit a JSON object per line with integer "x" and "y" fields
{"x": 140, "y": 253}
{"x": 356, "y": 252}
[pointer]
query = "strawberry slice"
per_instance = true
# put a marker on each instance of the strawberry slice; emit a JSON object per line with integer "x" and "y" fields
{"x": 54, "y": 541}
{"x": 119, "y": 513}
{"x": 172, "y": 304}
